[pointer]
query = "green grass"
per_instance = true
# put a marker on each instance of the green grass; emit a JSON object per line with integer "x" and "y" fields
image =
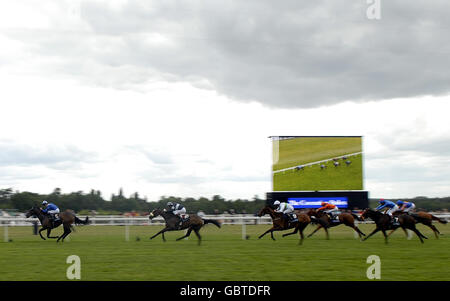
{"x": 302, "y": 150}
{"x": 223, "y": 255}
{"x": 313, "y": 178}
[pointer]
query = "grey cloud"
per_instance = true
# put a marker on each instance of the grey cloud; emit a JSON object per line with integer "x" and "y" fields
{"x": 284, "y": 53}
{"x": 55, "y": 157}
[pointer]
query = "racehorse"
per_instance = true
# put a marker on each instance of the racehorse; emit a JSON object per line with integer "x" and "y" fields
{"x": 383, "y": 222}
{"x": 66, "y": 218}
{"x": 280, "y": 223}
{"x": 194, "y": 222}
{"x": 423, "y": 218}
{"x": 324, "y": 221}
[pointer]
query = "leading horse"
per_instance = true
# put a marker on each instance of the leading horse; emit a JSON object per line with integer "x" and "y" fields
{"x": 194, "y": 223}
{"x": 66, "y": 218}
{"x": 279, "y": 223}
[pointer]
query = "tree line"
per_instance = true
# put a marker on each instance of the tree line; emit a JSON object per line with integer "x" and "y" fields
{"x": 86, "y": 202}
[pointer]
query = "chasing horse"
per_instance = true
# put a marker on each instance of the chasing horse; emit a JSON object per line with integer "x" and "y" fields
{"x": 325, "y": 221}
{"x": 173, "y": 223}
{"x": 66, "y": 218}
{"x": 280, "y": 222}
{"x": 423, "y": 217}
{"x": 385, "y": 222}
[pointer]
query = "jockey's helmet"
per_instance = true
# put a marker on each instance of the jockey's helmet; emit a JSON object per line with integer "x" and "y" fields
{"x": 323, "y": 203}
{"x": 400, "y": 202}
{"x": 276, "y": 203}
{"x": 44, "y": 203}
{"x": 169, "y": 204}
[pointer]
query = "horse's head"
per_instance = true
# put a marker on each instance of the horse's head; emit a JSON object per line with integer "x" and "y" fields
{"x": 367, "y": 213}
{"x": 155, "y": 213}
{"x": 266, "y": 210}
{"x": 33, "y": 212}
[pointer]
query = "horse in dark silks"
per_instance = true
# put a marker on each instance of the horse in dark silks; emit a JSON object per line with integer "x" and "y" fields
{"x": 66, "y": 218}
{"x": 425, "y": 218}
{"x": 325, "y": 222}
{"x": 384, "y": 222}
{"x": 280, "y": 223}
{"x": 194, "y": 222}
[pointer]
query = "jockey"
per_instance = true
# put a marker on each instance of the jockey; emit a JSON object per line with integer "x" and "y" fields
{"x": 284, "y": 208}
{"x": 178, "y": 210}
{"x": 328, "y": 208}
{"x": 387, "y": 204}
{"x": 392, "y": 208}
{"x": 406, "y": 206}
{"x": 50, "y": 209}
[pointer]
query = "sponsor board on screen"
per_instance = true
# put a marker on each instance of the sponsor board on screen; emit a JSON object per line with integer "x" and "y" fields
{"x": 301, "y": 203}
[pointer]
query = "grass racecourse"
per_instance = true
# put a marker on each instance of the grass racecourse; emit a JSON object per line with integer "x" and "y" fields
{"x": 223, "y": 255}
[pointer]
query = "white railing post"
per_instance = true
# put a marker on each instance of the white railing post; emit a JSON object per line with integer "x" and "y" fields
{"x": 127, "y": 232}
{"x": 244, "y": 229}
{"x": 6, "y": 234}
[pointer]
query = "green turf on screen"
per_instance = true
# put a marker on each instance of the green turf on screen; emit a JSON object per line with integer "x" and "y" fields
{"x": 290, "y": 153}
{"x": 313, "y": 177}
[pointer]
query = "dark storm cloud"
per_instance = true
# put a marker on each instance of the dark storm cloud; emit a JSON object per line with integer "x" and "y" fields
{"x": 280, "y": 53}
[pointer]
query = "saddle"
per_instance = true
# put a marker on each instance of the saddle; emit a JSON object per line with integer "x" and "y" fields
{"x": 334, "y": 218}
{"x": 291, "y": 217}
{"x": 182, "y": 220}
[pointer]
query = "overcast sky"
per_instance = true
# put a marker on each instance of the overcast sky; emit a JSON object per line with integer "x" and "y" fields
{"x": 179, "y": 97}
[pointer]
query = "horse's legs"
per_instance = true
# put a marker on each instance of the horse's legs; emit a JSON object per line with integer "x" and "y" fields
{"x": 373, "y": 232}
{"x": 302, "y": 236}
{"x": 326, "y": 231}
{"x": 318, "y": 227}
{"x": 385, "y": 236}
{"x": 420, "y": 235}
{"x": 271, "y": 229}
{"x": 360, "y": 233}
{"x": 48, "y": 234}
{"x": 295, "y": 231}
{"x": 432, "y": 227}
{"x": 198, "y": 235}
{"x": 66, "y": 232}
{"x": 160, "y": 232}
{"x": 435, "y": 230}
{"x": 186, "y": 235}
{"x": 40, "y": 234}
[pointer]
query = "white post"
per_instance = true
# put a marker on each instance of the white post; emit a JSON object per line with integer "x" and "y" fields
{"x": 6, "y": 238}
{"x": 244, "y": 230}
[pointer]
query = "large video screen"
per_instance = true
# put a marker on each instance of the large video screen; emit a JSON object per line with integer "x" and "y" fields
{"x": 317, "y": 163}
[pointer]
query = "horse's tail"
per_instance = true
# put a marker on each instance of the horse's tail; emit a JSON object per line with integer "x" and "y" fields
{"x": 79, "y": 221}
{"x": 435, "y": 218}
{"x": 211, "y": 221}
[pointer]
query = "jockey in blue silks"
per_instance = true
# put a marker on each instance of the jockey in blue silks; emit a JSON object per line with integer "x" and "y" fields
{"x": 387, "y": 204}
{"x": 51, "y": 209}
{"x": 406, "y": 206}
